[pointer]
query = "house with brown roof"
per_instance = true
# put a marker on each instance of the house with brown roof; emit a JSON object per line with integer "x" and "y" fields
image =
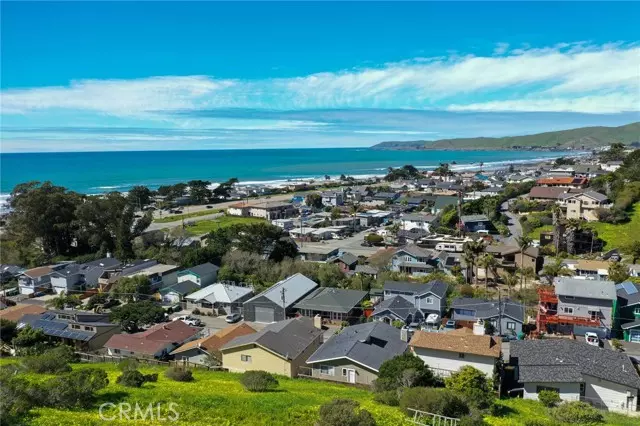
{"x": 546, "y": 193}
{"x": 509, "y": 258}
{"x": 14, "y": 313}
{"x": 156, "y": 342}
{"x": 565, "y": 182}
{"x": 35, "y": 280}
{"x": 198, "y": 350}
{"x": 446, "y": 353}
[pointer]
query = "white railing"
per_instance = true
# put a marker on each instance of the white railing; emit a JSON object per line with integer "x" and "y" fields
{"x": 430, "y": 419}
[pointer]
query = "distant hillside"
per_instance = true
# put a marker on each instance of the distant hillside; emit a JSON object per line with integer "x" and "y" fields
{"x": 582, "y": 138}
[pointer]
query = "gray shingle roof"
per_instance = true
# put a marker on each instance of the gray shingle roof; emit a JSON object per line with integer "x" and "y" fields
{"x": 204, "y": 269}
{"x": 632, "y": 324}
{"x": 625, "y": 298}
{"x": 416, "y": 251}
{"x": 593, "y": 289}
{"x": 397, "y": 305}
{"x": 288, "y": 338}
{"x": 439, "y": 288}
{"x": 332, "y": 300}
{"x": 474, "y": 218}
{"x": 348, "y": 258}
{"x": 366, "y": 269}
{"x": 296, "y": 286}
{"x": 182, "y": 288}
{"x": 561, "y": 360}
{"x": 369, "y": 345}
{"x": 415, "y": 217}
{"x": 490, "y": 308}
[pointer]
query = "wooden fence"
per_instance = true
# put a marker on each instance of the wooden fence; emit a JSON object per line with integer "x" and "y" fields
{"x": 85, "y": 357}
{"x": 429, "y": 419}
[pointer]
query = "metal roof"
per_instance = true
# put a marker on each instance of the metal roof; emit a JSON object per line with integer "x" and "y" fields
{"x": 329, "y": 299}
{"x": 592, "y": 289}
{"x": 296, "y": 286}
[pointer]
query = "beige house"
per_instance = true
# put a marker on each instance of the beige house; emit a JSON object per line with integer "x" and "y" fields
{"x": 279, "y": 348}
{"x": 584, "y": 205}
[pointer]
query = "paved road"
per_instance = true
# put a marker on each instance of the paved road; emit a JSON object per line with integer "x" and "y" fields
{"x": 514, "y": 224}
{"x": 352, "y": 244}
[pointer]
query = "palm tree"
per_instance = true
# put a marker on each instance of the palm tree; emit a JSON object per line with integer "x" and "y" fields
{"x": 524, "y": 243}
{"x": 469, "y": 260}
{"x": 473, "y": 249}
{"x": 529, "y": 273}
{"x": 555, "y": 269}
{"x": 488, "y": 262}
{"x": 510, "y": 280}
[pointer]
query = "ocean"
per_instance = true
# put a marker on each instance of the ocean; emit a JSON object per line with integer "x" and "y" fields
{"x": 99, "y": 172}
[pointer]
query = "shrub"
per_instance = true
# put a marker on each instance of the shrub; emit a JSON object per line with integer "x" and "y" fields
{"x": 196, "y": 311}
{"x": 577, "y": 412}
{"x": 179, "y": 375}
{"x": 128, "y": 364}
{"x": 404, "y": 370}
{"x": 466, "y": 291}
{"x": 615, "y": 344}
{"x": 389, "y": 397}
{"x": 258, "y": 381}
{"x": 131, "y": 378}
{"x": 54, "y": 361}
{"x": 536, "y": 422}
{"x": 151, "y": 377}
{"x": 466, "y": 379}
{"x": 434, "y": 400}
{"x": 478, "y": 398}
{"x": 549, "y": 398}
{"x": 475, "y": 419}
{"x": 76, "y": 389}
{"x": 344, "y": 412}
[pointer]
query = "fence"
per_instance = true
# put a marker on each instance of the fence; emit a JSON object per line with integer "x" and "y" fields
{"x": 429, "y": 419}
{"x": 85, "y": 357}
{"x": 441, "y": 372}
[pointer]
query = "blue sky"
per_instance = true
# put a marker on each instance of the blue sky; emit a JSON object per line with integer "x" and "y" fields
{"x": 128, "y": 76}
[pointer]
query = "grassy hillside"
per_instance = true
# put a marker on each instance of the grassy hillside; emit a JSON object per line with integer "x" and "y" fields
{"x": 582, "y": 138}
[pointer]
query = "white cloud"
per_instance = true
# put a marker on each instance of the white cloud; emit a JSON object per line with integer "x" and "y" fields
{"x": 565, "y": 77}
{"x": 393, "y": 132}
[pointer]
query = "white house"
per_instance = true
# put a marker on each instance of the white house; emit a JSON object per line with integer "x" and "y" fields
{"x": 413, "y": 221}
{"x": 577, "y": 371}
{"x": 220, "y": 298}
{"x": 446, "y": 353}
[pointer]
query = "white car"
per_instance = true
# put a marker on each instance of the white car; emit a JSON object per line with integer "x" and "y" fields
{"x": 592, "y": 338}
{"x": 189, "y": 320}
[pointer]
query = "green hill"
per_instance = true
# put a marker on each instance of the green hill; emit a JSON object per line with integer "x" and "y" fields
{"x": 582, "y": 138}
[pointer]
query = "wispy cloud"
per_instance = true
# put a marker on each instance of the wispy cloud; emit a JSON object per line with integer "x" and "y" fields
{"x": 574, "y": 77}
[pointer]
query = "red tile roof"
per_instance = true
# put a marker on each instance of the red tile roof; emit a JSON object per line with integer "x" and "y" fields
{"x": 154, "y": 339}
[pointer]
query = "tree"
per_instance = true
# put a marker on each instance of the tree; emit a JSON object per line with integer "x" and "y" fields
{"x": 344, "y": 412}
{"x": 139, "y": 196}
{"x": 524, "y": 243}
{"x": 633, "y": 250}
{"x": 199, "y": 191}
{"x": 134, "y": 315}
{"x": 510, "y": 280}
{"x": 466, "y": 379}
{"x": 64, "y": 301}
{"x": 616, "y": 152}
{"x": 374, "y": 238}
{"x": 472, "y": 250}
{"x": 313, "y": 200}
{"x": 336, "y": 213}
{"x": 224, "y": 189}
{"x": 489, "y": 263}
{"x": 555, "y": 269}
{"x": 391, "y": 372}
{"x": 131, "y": 288}
{"x": 28, "y": 337}
{"x": 618, "y": 272}
{"x": 7, "y": 330}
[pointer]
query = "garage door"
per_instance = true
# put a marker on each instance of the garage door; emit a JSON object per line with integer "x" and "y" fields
{"x": 634, "y": 336}
{"x": 264, "y": 314}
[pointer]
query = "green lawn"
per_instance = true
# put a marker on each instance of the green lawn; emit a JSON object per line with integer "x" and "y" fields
{"x": 217, "y": 398}
{"x": 615, "y": 236}
{"x": 515, "y": 412}
{"x": 206, "y": 226}
{"x": 176, "y": 217}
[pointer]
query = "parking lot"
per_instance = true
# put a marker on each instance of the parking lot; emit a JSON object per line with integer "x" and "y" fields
{"x": 351, "y": 244}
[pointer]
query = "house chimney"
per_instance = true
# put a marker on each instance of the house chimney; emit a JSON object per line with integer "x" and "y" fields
{"x": 108, "y": 254}
{"x": 478, "y": 328}
{"x": 317, "y": 322}
{"x": 404, "y": 334}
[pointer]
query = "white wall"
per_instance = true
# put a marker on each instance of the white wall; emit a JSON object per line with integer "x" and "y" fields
{"x": 567, "y": 391}
{"x": 612, "y": 395}
{"x": 450, "y": 360}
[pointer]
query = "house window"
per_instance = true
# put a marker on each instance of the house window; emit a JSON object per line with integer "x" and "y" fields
{"x": 567, "y": 310}
{"x": 116, "y": 351}
{"x": 75, "y": 326}
{"x": 326, "y": 370}
{"x": 88, "y": 328}
{"x": 637, "y": 311}
{"x": 511, "y": 325}
{"x": 569, "y": 297}
{"x": 429, "y": 300}
{"x": 581, "y": 388}
{"x": 593, "y": 314}
{"x": 461, "y": 355}
{"x": 245, "y": 358}
{"x": 344, "y": 372}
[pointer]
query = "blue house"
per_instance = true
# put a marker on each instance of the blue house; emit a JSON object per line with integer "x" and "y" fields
{"x": 412, "y": 260}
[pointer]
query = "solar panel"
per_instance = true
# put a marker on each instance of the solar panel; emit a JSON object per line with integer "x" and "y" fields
{"x": 618, "y": 286}
{"x": 629, "y": 287}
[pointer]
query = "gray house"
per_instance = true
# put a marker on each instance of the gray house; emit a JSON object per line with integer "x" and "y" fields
{"x": 411, "y": 302}
{"x": 221, "y": 298}
{"x": 506, "y": 316}
{"x": 203, "y": 275}
{"x": 278, "y": 301}
{"x": 356, "y": 353}
{"x": 84, "y": 276}
{"x": 334, "y": 304}
{"x": 413, "y": 260}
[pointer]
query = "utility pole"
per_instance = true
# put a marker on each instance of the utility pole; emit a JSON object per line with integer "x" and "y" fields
{"x": 499, "y": 314}
{"x": 460, "y": 213}
{"x": 284, "y": 309}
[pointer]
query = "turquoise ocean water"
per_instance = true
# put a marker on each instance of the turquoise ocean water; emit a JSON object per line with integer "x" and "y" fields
{"x": 97, "y": 172}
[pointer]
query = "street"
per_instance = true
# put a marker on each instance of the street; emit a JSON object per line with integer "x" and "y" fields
{"x": 514, "y": 224}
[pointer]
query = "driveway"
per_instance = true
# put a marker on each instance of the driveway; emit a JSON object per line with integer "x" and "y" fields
{"x": 514, "y": 224}
{"x": 351, "y": 244}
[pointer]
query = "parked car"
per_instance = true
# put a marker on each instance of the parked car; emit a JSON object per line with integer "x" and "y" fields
{"x": 209, "y": 207}
{"x": 592, "y": 338}
{"x": 189, "y": 320}
{"x": 233, "y": 318}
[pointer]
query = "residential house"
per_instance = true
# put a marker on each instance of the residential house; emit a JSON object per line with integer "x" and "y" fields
{"x": 271, "y": 210}
{"x": 412, "y": 260}
{"x": 634, "y": 270}
{"x": 588, "y": 269}
{"x": 156, "y": 342}
{"x": 386, "y": 197}
{"x": 277, "y": 302}
{"x": 413, "y": 221}
{"x": 446, "y": 353}
{"x": 14, "y": 313}
{"x": 175, "y": 293}
{"x": 280, "y": 348}
{"x": 203, "y": 275}
{"x": 345, "y": 260}
{"x": 411, "y": 302}
{"x": 445, "y": 242}
{"x": 587, "y": 170}
{"x": 356, "y": 353}
{"x": 575, "y": 306}
{"x": 333, "y": 304}
{"x": 509, "y": 258}
{"x": 200, "y": 350}
{"x": 564, "y": 182}
{"x": 83, "y": 330}
{"x": 611, "y": 166}
{"x": 239, "y": 209}
{"x": 446, "y": 261}
{"x": 447, "y": 187}
{"x": 443, "y": 201}
{"x": 221, "y": 298}
{"x": 366, "y": 270}
{"x": 518, "y": 178}
{"x": 628, "y": 315}
{"x": 159, "y": 274}
{"x": 543, "y": 193}
{"x": 415, "y": 201}
{"x": 73, "y": 277}
{"x": 35, "y": 280}
{"x": 584, "y": 205}
{"x": 577, "y": 371}
{"x": 476, "y": 223}
{"x": 412, "y": 236}
{"x": 285, "y": 224}
{"x": 9, "y": 272}
{"x": 506, "y": 316}
{"x": 373, "y": 217}
{"x": 333, "y": 198}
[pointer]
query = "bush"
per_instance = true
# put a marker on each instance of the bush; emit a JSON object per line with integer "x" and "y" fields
{"x": 549, "y": 398}
{"x": 466, "y": 291}
{"x": 344, "y": 412}
{"x": 389, "y": 397}
{"x": 404, "y": 370}
{"x": 53, "y": 361}
{"x": 131, "y": 378}
{"x": 536, "y": 422}
{"x": 577, "y": 412}
{"x": 466, "y": 379}
{"x": 434, "y": 400}
{"x": 475, "y": 419}
{"x": 616, "y": 345}
{"x": 128, "y": 364}
{"x": 196, "y": 311}
{"x": 179, "y": 375}
{"x": 151, "y": 377}
{"x": 76, "y": 389}
{"x": 258, "y": 381}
